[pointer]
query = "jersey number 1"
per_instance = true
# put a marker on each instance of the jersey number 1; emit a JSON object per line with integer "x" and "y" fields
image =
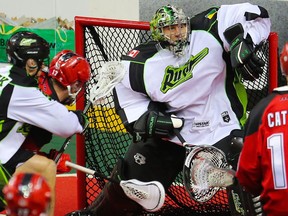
{"x": 275, "y": 143}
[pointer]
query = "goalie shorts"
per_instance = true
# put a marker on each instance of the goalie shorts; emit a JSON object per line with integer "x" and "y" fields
{"x": 154, "y": 160}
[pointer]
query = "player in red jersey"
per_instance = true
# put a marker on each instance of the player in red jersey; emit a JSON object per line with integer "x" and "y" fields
{"x": 263, "y": 162}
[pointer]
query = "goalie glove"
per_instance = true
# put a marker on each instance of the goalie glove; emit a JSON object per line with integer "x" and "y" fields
{"x": 153, "y": 123}
{"x": 242, "y": 53}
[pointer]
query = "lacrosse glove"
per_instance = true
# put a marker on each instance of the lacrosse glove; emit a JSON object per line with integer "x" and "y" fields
{"x": 243, "y": 54}
{"x": 61, "y": 166}
{"x": 83, "y": 119}
{"x": 155, "y": 124}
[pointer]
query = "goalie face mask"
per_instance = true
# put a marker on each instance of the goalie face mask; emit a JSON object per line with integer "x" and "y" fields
{"x": 27, "y": 194}
{"x": 171, "y": 26}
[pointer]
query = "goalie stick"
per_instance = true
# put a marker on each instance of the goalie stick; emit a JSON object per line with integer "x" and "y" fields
{"x": 110, "y": 74}
{"x": 150, "y": 195}
{"x": 206, "y": 171}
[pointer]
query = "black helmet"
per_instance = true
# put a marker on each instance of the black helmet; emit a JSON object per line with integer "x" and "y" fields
{"x": 24, "y": 45}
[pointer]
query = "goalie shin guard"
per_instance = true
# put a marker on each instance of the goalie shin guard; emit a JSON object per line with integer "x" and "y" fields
{"x": 112, "y": 199}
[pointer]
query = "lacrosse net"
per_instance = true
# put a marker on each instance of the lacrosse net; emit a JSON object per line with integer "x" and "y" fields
{"x": 102, "y": 40}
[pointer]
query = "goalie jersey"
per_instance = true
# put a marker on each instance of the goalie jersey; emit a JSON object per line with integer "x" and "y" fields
{"x": 263, "y": 162}
{"x": 199, "y": 86}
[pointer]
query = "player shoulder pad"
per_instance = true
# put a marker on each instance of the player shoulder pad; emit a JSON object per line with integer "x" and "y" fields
{"x": 142, "y": 52}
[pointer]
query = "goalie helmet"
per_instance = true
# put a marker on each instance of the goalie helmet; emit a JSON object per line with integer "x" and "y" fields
{"x": 27, "y": 194}
{"x": 26, "y": 45}
{"x": 168, "y": 16}
{"x": 284, "y": 60}
{"x": 71, "y": 71}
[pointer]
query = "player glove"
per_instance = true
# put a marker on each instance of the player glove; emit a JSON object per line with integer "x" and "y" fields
{"x": 153, "y": 123}
{"x": 61, "y": 167}
{"x": 83, "y": 119}
{"x": 242, "y": 53}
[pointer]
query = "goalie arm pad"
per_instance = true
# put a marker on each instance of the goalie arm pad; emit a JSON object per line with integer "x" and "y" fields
{"x": 243, "y": 53}
{"x": 153, "y": 123}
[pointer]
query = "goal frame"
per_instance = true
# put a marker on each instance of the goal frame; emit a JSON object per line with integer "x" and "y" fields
{"x": 80, "y": 23}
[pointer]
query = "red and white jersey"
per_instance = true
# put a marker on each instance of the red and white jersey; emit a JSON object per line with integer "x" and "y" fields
{"x": 199, "y": 86}
{"x": 22, "y": 104}
{"x": 263, "y": 162}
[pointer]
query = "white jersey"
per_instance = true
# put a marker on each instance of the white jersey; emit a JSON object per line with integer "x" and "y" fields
{"x": 22, "y": 104}
{"x": 198, "y": 86}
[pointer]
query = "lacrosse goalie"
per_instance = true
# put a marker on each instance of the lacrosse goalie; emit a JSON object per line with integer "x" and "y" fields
{"x": 189, "y": 78}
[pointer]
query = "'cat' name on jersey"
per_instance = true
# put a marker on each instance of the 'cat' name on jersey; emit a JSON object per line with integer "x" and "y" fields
{"x": 278, "y": 118}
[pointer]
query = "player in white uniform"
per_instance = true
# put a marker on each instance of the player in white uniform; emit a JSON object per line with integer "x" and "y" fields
{"x": 65, "y": 70}
{"x": 23, "y": 105}
{"x": 192, "y": 70}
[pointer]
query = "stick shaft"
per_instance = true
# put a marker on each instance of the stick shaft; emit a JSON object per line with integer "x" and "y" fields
{"x": 68, "y": 140}
{"x": 90, "y": 171}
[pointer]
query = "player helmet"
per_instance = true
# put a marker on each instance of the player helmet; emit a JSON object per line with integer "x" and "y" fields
{"x": 27, "y": 194}
{"x": 24, "y": 45}
{"x": 71, "y": 71}
{"x": 168, "y": 16}
{"x": 284, "y": 60}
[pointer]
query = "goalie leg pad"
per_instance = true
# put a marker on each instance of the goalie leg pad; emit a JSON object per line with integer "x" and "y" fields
{"x": 112, "y": 200}
{"x": 236, "y": 146}
{"x": 232, "y": 145}
{"x": 154, "y": 160}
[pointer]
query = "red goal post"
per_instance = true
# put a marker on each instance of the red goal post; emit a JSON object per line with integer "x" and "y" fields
{"x": 100, "y": 40}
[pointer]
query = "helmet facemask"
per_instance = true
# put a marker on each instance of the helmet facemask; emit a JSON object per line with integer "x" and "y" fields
{"x": 171, "y": 26}
{"x": 73, "y": 91}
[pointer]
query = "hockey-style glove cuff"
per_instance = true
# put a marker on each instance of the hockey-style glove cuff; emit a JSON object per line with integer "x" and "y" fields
{"x": 243, "y": 54}
{"x": 156, "y": 124}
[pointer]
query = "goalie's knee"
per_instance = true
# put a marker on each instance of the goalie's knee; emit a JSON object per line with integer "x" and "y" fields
{"x": 236, "y": 146}
{"x": 112, "y": 200}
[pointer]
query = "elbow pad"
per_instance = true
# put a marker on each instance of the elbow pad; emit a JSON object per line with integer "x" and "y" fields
{"x": 155, "y": 124}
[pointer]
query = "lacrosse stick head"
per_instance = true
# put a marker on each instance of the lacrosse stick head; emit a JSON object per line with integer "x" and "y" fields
{"x": 205, "y": 172}
{"x": 109, "y": 75}
{"x": 150, "y": 195}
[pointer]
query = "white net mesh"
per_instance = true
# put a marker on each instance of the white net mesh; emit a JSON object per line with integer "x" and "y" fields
{"x": 110, "y": 74}
{"x": 205, "y": 172}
